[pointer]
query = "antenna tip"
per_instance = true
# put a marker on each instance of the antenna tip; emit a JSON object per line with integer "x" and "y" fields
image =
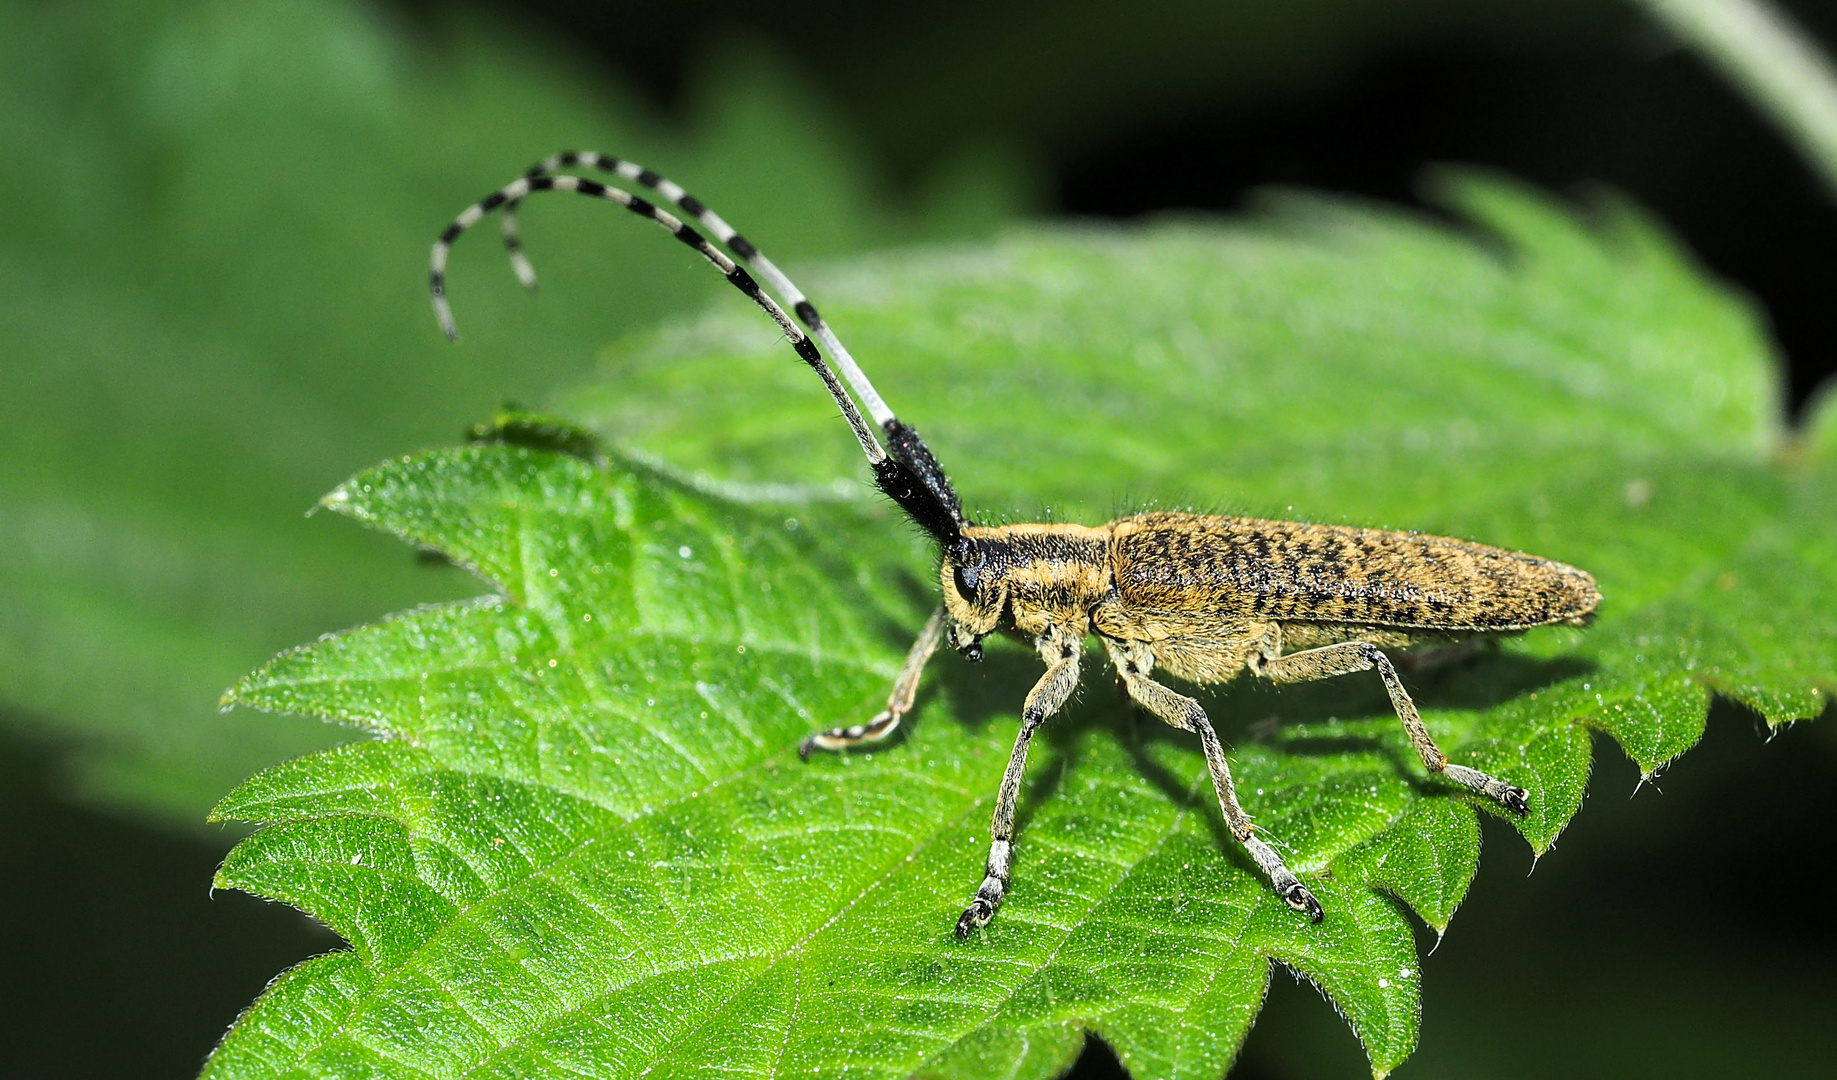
{"x": 443, "y": 313}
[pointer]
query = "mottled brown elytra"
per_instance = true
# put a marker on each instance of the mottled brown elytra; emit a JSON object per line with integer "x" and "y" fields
{"x": 1198, "y": 596}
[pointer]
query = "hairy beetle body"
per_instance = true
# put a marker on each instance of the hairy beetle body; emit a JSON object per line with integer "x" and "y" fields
{"x": 1206, "y": 593}
{"x": 1168, "y": 576}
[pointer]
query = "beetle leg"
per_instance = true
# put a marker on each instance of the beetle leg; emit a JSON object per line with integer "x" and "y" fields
{"x": 1059, "y": 648}
{"x": 899, "y": 703}
{"x": 1134, "y": 661}
{"x": 1351, "y": 656}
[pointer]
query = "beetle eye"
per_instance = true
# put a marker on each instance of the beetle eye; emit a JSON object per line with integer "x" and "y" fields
{"x": 966, "y": 582}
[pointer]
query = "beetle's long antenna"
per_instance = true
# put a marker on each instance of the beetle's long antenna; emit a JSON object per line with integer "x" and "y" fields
{"x": 742, "y": 248}
{"x": 903, "y": 442}
{"x": 909, "y": 475}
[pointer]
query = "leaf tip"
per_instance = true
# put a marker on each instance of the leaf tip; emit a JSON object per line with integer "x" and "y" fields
{"x": 244, "y": 691}
{"x": 226, "y": 811}
{"x": 339, "y": 498}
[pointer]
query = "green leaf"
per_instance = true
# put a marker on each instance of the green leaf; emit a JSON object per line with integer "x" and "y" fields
{"x": 216, "y": 310}
{"x": 1821, "y": 424}
{"x": 584, "y": 844}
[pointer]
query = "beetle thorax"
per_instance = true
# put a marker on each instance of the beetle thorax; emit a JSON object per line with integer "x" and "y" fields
{"x": 1027, "y": 577}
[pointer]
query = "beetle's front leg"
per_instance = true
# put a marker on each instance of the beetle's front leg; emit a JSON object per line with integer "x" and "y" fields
{"x": 1059, "y": 648}
{"x": 899, "y": 703}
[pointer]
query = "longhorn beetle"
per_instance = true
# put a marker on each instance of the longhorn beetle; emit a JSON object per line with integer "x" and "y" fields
{"x": 1198, "y": 596}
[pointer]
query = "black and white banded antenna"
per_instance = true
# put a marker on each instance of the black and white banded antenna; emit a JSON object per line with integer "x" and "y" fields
{"x": 902, "y": 439}
{"x": 742, "y": 249}
{"x": 904, "y": 470}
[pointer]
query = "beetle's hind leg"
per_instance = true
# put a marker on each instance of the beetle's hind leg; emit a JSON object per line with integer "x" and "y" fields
{"x": 1351, "y": 656}
{"x": 899, "y": 703}
{"x": 1133, "y": 662}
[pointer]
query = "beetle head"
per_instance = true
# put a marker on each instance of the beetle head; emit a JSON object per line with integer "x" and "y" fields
{"x": 975, "y": 581}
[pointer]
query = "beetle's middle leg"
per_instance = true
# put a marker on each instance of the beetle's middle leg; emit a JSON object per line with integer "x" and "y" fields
{"x": 1350, "y": 656}
{"x": 1059, "y": 648}
{"x": 899, "y": 703}
{"x": 1133, "y": 661}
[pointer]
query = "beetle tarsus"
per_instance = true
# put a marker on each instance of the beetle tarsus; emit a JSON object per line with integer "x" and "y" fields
{"x": 1516, "y": 799}
{"x": 1510, "y": 796}
{"x": 1301, "y": 898}
{"x": 974, "y": 917}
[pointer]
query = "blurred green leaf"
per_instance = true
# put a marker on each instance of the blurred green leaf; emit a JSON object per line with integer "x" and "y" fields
{"x": 584, "y": 845}
{"x": 214, "y": 269}
{"x": 1821, "y": 424}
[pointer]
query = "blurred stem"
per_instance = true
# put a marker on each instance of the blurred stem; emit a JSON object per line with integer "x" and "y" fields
{"x": 1780, "y": 68}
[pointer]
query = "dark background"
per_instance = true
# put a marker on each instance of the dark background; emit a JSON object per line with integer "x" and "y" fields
{"x": 1686, "y": 932}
